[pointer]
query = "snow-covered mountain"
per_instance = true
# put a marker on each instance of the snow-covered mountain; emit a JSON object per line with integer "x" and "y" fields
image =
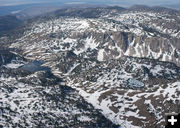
{"x": 113, "y": 32}
{"x": 123, "y": 61}
{"x": 37, "y": 99}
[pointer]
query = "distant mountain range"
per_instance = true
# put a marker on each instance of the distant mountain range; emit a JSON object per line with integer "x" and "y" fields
{"x": 5, "y": 10}
{"x": 8, "y": 23}
{"x": 37, "y": 9}
{"x": 175, "y": 6}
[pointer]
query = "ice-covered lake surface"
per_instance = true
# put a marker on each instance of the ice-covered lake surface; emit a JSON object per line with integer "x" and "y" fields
{"x": 35, "y": 66}
{"x": 135, "y": 83}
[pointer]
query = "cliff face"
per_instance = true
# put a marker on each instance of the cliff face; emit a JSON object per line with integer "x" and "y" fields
{"x": 118, "y": 44}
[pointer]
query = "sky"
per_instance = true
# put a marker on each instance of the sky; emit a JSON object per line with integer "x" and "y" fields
{"x": 109, "y": 2}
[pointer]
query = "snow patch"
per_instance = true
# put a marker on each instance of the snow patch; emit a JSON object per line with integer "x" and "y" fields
{"x": 13, "y": 65}
{"x": 100, "y": 56}
{"x": 84, "y": 118}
